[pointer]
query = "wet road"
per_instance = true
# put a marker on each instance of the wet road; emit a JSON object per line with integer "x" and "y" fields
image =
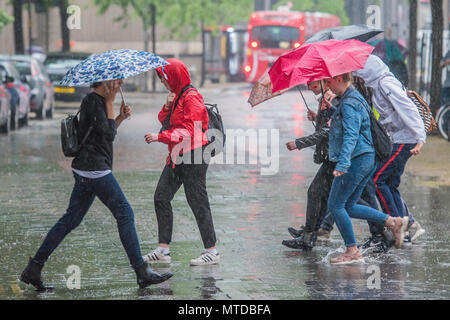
{"x": 251, "y": 213}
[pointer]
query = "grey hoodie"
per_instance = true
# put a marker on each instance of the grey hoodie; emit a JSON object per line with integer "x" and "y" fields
{"x": 397, "y": 112}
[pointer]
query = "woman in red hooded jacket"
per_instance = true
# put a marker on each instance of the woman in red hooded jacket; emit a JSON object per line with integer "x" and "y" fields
{"x": 186, "y": 120}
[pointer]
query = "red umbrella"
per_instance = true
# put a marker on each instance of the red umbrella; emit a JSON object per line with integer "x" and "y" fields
{"x": 262, "y": 91}
{"x": 317, "y": 61}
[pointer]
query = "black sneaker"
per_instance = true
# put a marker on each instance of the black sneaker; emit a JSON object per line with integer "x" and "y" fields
{"x": 305, "y": 242}
{"x": 379, "y": 243}
{"x": 296, "y": 233}
{"x": 372, "y": 242}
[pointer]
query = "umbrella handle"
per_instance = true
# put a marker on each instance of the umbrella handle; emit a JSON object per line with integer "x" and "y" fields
{"x": 123, "y": 99}
{"x": 304, "y": 100}
{"x": 121, "y": 93}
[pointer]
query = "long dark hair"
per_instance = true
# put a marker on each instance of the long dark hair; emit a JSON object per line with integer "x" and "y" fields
{"x": 366, "y": 92}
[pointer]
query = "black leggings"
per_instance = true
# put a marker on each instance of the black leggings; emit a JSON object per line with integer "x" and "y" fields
{"x": 318, "y": 193}
{"x": 193, "y": 177}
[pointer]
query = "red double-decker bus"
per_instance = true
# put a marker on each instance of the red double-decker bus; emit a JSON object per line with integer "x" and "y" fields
{"x": 274, "y": 33}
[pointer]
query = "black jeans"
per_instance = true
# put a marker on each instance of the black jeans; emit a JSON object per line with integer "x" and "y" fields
{"x": 318, "y": 193}
{"x": 193, "y": 177}
{"x": 84, "y": 192}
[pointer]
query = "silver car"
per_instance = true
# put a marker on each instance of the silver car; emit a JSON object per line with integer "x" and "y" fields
{"x": 34, "y": 74}
{"x": 5, "y": 107}
{"x": 20, "y": 94}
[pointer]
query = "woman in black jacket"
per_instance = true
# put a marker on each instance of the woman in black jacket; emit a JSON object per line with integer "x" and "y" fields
{"x": 93, "y": 178}
{"x": 317, "y": 199}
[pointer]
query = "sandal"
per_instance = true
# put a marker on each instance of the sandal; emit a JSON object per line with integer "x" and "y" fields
{"x": 399, "y": 231}
{"x": 346, "y": 258}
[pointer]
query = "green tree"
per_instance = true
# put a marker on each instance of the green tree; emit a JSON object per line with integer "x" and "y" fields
{"x": 336, "y": 7}
{"x": 5, "y": 19}
{"x": 183, "y": 18}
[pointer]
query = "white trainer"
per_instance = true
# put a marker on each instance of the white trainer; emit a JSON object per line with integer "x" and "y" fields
{"x": 157, "y": 257}
{"x": 415, "y": 231}
{"x": 206, "y": 258}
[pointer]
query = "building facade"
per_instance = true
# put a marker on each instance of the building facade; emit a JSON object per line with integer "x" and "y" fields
{"x": 97, "y": 33}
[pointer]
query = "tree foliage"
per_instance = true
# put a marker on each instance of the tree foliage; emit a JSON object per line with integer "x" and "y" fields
{"x": 183, "y": 18}
{"x": 5, "y": 19}
{"x": 336, "y": 7}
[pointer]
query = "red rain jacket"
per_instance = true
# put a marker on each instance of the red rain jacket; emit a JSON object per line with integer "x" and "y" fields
{"x": 190, "y": 117}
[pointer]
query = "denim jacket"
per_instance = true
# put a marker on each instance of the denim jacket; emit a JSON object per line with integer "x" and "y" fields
{"x": 350, "y": 134}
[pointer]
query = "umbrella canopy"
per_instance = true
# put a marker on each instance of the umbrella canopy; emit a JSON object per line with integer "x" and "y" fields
{"x": 317, "y": 61}
{"x": 262, "y": 91}
{"x": 111, "y": 65}
{"x": 358, "y": 32}
{"x": 389, "y": 50}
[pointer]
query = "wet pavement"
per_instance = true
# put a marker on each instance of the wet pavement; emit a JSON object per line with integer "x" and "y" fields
{"x": 251, "y": 213}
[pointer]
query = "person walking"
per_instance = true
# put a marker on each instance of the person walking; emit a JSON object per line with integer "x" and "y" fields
{"x": 318, "y": 192}
{"x": 381, "y": 239}
{"x": 92, "y": 170}
{"x": 185, "y": 121}
{"x": 351, "y": 148}
{"x": 402, "y": 120}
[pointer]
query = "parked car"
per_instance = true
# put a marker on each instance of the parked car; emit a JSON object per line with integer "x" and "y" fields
{"x": 42, "y": 92}
{"x": 19, "y": 91}
{"x": 57, "y": 65}
{"x": 5, "y": 108}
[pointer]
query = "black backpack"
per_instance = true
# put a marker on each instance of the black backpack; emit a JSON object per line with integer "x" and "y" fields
{"x": 381, "y": 139}
{"x": 215, "y": 119}
{"x": 70, "y": 135}
{"x": 215, "y": 122}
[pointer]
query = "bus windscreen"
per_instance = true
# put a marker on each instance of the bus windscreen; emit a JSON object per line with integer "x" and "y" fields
{"x": 275, "y": 37}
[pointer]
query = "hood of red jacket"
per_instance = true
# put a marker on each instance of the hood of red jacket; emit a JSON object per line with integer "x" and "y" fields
{"x": 176, "y": 74}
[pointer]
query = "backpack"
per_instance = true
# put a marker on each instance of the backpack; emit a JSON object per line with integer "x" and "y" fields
{"x": 215, "y": 119}
{"x": 424, "y": 111}
{"x": 70, "y": 131}
{"x": 421, "y": 105}
{"x": 381, "y": 139}
{"x": 215, "y": 122}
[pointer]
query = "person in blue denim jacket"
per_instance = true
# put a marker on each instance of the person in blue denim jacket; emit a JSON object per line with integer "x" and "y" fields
{"x": 351, "y": 148}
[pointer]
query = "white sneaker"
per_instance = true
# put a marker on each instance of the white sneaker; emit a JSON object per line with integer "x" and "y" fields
{"x": 206, "y": 258}
{"x": 415, "y": 232}
{"x": 157, "y": 257}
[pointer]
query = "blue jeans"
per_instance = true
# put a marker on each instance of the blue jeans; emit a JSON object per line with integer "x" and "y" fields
{"x": 370, "y": 199}
{"x": 387, "y": 180}
{"x": 345, "y": 193}
{"x": 84, "y": 192}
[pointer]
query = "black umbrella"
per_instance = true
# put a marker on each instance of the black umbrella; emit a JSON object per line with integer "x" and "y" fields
{"x": 359, "y": 32}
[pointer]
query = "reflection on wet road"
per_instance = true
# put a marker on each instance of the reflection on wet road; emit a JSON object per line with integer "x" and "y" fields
{"x": 251, "y": 214}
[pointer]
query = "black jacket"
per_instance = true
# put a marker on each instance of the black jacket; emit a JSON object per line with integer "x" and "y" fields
{"x": 320, "y": 137}
{"x": 97, "y": 152}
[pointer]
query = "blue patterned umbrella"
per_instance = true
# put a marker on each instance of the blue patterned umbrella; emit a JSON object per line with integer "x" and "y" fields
{"x": 110, "y": 65}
